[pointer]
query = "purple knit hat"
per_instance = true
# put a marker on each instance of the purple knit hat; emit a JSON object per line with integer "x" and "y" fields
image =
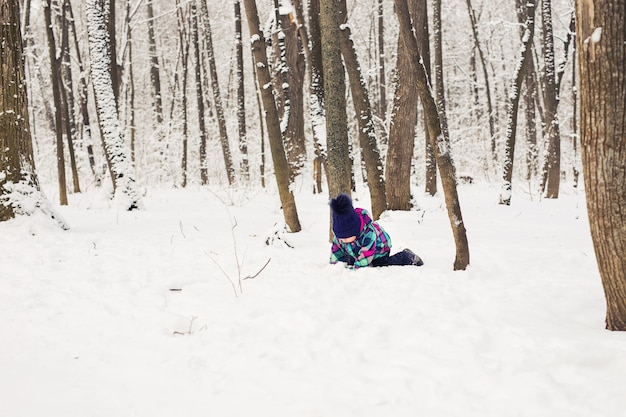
{"x": 346, "y": 222}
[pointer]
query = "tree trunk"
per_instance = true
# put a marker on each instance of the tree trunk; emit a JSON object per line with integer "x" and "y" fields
{"x": 431, "y": 162}
{"x": 56, "y": 97}
{"x": 552, "y": 167}
{"x": 18, "y": 180}
{"x": 289, "y": 68}
{"x": 363, "y": 110}
{"x": 600, "y": 39}
{"x": 183, "y": 38}
{"x": 402, "y": 131}
{"x": 155, "y": 76}
{"x": 281, "y": 167}
{"x": 83, "y": 93}
{"x": 382, "y": 83}
{"x": 339, "y": 167}
{"x": 67, "y": 93}
{"x": 520, "y": 73}
{"x": 217, "y": 97}
{"x": 125, "y": 190}
{"x": 241, "y": 98}
{"x": 204, "y": 175}
{"x": 318, "y": 112}
{"x": 483, "y": 61}
{"x": 440, "y": 143}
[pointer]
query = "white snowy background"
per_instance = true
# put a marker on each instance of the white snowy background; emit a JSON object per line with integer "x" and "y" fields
{"x": 140, "y": 313}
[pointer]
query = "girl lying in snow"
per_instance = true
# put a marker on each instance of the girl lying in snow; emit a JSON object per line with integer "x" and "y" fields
{"x": 359, "y": 241}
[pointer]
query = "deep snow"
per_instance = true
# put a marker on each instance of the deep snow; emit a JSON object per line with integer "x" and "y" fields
{"x": 140, "y": 313}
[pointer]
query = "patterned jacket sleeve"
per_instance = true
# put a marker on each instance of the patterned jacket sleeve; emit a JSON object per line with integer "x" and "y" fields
{"x": 337, "y": 254}
{"x": 367, "y": 244}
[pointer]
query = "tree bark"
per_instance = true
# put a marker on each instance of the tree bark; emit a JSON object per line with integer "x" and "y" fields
{"x": 316, "y": 93}
{"x": 241, "y": 98}
{"x": 431, "y": 162}
{"x": 440, "y": 143}
{"x": 155, "y": 75}
{"x": 281, "y": 167}
{"x": 363, "y": 110}
{"x": 483, "y": 61}
{"x": 401, "y": 139}
{"x": 56, "y": 97}
{"x": 520, "y": 74}
{"x": 67, "y": 93}
{"x": 125, "y": 190}
{"x": 18, "y": 180}
{"x": 339, "y": 167}
{"x": 600, "y": 39}
{"x": 552, "y": 167}
{"x": 204, "y": 175}
{"x": 217, "y": 97}
{"x": 289, "y": 70}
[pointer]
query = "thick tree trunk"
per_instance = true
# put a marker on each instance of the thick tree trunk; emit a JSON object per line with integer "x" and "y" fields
{"x": 600, "y": 39}
{"x": 520, "y": 73}
{"x": 281, "y": 167}
{"x": 440, "y": 143}
{"x": 363, "y": 110}
{"x": 18, "y": 180}
{"x": 402, "y": 130}
{"x": 289, "y": 69}
{"x": 125, "y": 190}
{"x": 339, "y": 166}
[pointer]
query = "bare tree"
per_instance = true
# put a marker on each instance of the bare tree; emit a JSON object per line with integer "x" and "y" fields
{"x": 217, "y": 97}
{"x": 600, "y": 39}
{"x": 363, "y": 110}
{"x": 401, "y": 139}
{"x": 125, "y": 190}
{"x": 67, "y": 92}
{"x": 440, "y": 143}
{"x": 317, "y": 107}
{"x": 339, "y": 167}
{"x": 484, "y": 63}
{"x": 552, "y": 166}
{"x": 155, "y": 74}
{"x": 56, "y": 97}
{"x": 19, "y": 188}
{"x": 519, "y": 76}
{"x": 241, "y": 99}
{"x": 281, "y": 167}
{"x": 289, "y": 70}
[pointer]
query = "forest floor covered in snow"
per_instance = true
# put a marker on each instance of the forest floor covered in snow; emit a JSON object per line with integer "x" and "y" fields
{"x": 147, "y": 314}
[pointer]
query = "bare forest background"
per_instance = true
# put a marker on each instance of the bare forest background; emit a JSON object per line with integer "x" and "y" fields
{"x": 183, "y": 122}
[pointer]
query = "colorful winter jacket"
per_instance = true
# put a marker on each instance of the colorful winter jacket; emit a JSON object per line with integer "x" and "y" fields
{"x": 373, "y": 242}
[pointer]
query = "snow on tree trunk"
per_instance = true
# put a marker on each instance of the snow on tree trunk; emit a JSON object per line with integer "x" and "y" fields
{"x": 281, "y": 167}
{"x": 439, "y": 141}
{"x": 520, "y": 74}
{"x": 19, "y": 188}
{"x": 363, "y": 109}
{"x": 125, "y": 191}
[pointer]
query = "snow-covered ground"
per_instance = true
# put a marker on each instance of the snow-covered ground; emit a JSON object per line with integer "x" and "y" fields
{"x": 142, "y": 314}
